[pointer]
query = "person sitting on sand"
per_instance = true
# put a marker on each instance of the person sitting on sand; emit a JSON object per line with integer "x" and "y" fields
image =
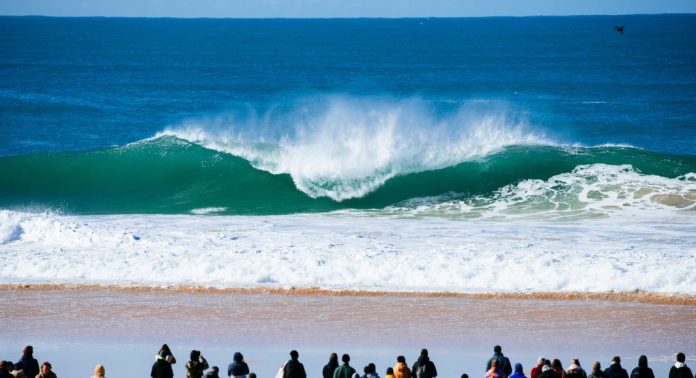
{"x": 214, "y": 372}
{"x": 196, "y": 366}
{"x": 615, "y": 370}
{"x": 519, "y": 371}
{"x": 401, "y": 369}
{"x": 99, "y": 372}
{"x": 575, "y": 370}
{"x": 423, "y": 367}
{"x": 238, "y": 368}
{"x": 28, "y": 364}
{"x": 495, "y": 371}
{"x": 329, "y": 368}
{"x": 536, "y": 371}
{"x": 642, "y": 370}
{"x": 503, "y": 362}
{"x": 597, "y": 371}
{"x": 680, "y": 370}
{"x": 46, "y": 371}
{"x": 294, "y": 368}
{"x": 345, "y": 370}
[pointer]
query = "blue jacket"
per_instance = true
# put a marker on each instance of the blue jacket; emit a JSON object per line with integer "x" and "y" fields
{"x": 238, "y": 366}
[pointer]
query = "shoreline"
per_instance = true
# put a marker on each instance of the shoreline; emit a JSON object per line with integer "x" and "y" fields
{"x": 622, "y": 297}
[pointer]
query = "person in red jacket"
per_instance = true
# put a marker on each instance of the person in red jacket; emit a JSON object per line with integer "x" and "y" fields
{"x": 536, "y": 371}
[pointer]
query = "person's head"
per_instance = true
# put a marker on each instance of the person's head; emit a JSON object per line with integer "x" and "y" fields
{"x": 401, "y": 359}
{"x": 195, "y": 355}
{"x": 252, "y": 375}
{"x": 294, "y": 355}
{"x": 333, "y": 357}
{"x": 215, "y": 369}
{"x": 390, "y": 371}
{"x": 596, "y": 366}
{"x": 518, "y": 368}
{"x": 424, "y": 352}
{"x": 556, "y": 364}
{"x": 366, "y": 369}
{"x": 3, "y": 366}
{"x": 616, "y": 360}
{"x": 28, "y": 350}
{"x": 372, "y": 367}
{"x": 465, "y": 375}
{"x": 238, "y": 357}
{"x": 46, "y": 367}
{"x": 164, "y": 348}
{"x": 681, "y": 357}
{"x": 575, "y": 361}
{"x": 541, "y": 360}
{"x": 497, "y": 349}
{"x": 345, "y": 358}
{"x": 99, "y": 371}
{"x": 355, "y": 375}
{"x": 547, "y": 362}
{"x": 643, "y": 361}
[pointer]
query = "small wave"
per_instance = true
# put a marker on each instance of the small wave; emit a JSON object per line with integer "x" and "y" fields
{"x": 208, "y": 210}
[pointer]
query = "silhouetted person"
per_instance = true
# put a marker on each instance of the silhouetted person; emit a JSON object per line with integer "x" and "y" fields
{"x": 294, "y": 368}
{"x": 329, "y": 368}
{"x": 423, "y": 367}
{"x": 345, "y": 370}
{"x": 196, "y": 365}
{"x": 642, "y": 371}
{"x": 28, "y": 363}
{"x": 615, "y": 370}
{"x": 680, "y": 370}
{"x": 238, "y": 368}
{"x": 597, "y": 371}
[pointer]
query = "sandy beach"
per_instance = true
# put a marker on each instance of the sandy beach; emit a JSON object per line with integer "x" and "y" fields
{"x": 77, "y": 327}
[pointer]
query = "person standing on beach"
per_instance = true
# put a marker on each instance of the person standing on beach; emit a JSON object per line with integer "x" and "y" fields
{"x": 503, "y": 362}
{"x": 519, "y": 371}
{"x": 196, "y": 366}
{"x": 423, "y": 367}
{"x": 345, "y": 370}
{"x": 401, "y": 369}
{"x": 615, "y": 370}
{"x": 642, "y": 371}
{"x": 294, "y": 368}
{"x": 328, "y": 370}
{"x": 162, "y": 368}
{"x": 680, "y": 370}
{"x": 99, "y": 372}
{"x": 575, "y": 370}
{"x": 46, "y": 371}
{"x": 536, "y": 371}
{"x": 238, "y": 368}
{"x": 212, "y": 373}
{"x": 28, "y": 363}
{"x": 558, "y": 371}
{"x": 597, "y": 371}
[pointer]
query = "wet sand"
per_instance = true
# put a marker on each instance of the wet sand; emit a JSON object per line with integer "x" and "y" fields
{"x": 374, "y": 327}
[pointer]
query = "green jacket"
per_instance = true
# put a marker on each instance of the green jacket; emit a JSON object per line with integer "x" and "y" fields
{"x": 194, "y": 369}
{"x": 344, "y": 371}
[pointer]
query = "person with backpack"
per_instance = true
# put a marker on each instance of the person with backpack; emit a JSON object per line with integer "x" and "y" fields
{"x": 503, "y": 362}
{"x": 423, "y": 367}
{"x": 294, "y": 368}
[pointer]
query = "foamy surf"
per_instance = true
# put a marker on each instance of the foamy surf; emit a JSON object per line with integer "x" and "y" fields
{"x": 336, "y": 252}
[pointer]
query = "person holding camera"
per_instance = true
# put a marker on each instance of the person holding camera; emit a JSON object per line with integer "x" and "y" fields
{"x": 195, "y": 367}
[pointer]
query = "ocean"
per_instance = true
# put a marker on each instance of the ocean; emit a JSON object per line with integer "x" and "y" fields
{"x": 467, "y": 155}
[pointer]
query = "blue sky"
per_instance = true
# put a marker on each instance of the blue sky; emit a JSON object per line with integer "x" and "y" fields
{"x": 339, "y": 8}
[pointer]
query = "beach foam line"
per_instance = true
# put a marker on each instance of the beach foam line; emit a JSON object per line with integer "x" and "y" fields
{"x": 637, "y": 296}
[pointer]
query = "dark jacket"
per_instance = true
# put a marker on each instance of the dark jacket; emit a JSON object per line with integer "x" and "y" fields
{"x": 423, "y": 368}
{"x": 211, "y": 374}
{"x": 642, "y": 371}
{"x": 616, "y": 371}
{"x": 161, "y": 369}
{"x": 682, "y": 372}
{"x": 294, "y": 369}
{"x": 329, "y": 369}
{"x": 503, "y": 363}
{"x": 238, "y": 366}
{"x": 195, "y": 369}
{"x": 597, "y": 374}
{"x": 29, "y": 364}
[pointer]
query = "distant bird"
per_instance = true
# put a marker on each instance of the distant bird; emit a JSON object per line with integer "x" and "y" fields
{"x": 619, "y": 28}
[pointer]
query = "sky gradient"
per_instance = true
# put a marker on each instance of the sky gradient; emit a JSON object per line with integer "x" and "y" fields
{"x": 338, "y": 8}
